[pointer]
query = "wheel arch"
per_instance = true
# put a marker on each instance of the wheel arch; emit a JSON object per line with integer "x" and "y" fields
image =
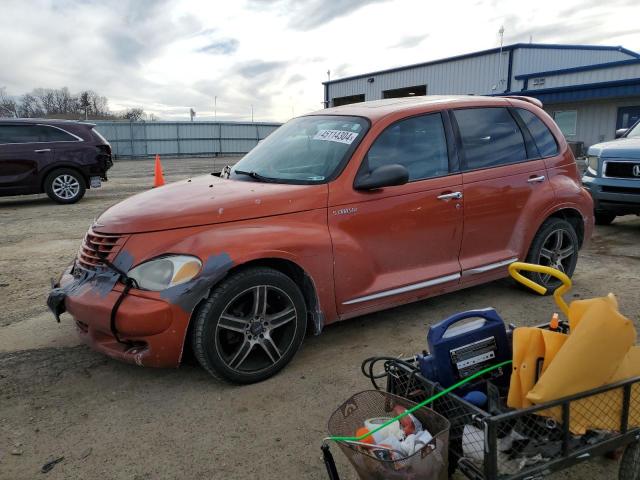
{"x": 574, "y": 217}
{"x": 315, "y": 315}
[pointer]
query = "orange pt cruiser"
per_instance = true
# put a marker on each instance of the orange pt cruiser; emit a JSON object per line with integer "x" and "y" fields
{"x": 339, "y": 213}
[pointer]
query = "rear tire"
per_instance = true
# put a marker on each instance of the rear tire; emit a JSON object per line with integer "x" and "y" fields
{"x": 65, "y": 186}
{"x": 555, "y": 245}
{"x": 251, "y": 326}
{"x": 604, "y": 218}
{"x": 630, "y": 462}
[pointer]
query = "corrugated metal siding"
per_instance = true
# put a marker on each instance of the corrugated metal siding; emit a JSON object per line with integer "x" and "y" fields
{"x": 596, "y": 121}
{"x": 589, "y": 76}
{"x": 138, "y": 139}
{"x": 531, "y": 60}
{"x": 475, "y": 75}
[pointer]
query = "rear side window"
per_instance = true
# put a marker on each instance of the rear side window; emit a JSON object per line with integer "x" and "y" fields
{"x": 417, "y": 143}
{"x": 542, "y": 136}
{"x": 52, "y": 134}
{"x": 490, "y": 137}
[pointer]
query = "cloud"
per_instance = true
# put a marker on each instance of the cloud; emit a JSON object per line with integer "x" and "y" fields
{"x": 310, "y": 14}
{"x": 258, "y": 68}
{"x": 221, "y": 47}
{"x": 410, "y": 41}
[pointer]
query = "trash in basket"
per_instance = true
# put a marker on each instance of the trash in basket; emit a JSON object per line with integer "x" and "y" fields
{"x": 391, "y": 460}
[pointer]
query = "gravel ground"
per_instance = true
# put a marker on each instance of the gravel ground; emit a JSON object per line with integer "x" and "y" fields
{"x": 111, "y": 420}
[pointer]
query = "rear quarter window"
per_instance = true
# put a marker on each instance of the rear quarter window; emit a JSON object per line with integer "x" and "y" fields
{"x": 542, "y": 136}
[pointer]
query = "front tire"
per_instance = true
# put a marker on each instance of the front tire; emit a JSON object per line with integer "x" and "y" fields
{"x": 65, "y": 186}
{"x": 604, "y": 218}
{"x": 251, "y": 326}
{"x": 555, "y": 245}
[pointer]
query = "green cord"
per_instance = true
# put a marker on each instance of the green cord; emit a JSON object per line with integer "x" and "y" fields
{"x": 421, "y": 404}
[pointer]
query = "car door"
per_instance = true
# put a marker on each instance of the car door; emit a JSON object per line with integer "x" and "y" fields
{"x": 398, "y": 243}
{"x": 21, "y": 155}
{"x": 505, "y": 189}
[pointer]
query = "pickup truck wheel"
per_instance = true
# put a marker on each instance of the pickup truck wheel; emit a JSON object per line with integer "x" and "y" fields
{"x": 555, "y": 245}
{"x": 65, "y": 186}
{"x": 251, "y": 326}
{"x": 604, "y": 218}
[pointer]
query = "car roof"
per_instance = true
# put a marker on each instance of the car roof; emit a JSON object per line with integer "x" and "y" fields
{"x": 377, "y": 109}
{"x": 46, "y": 121}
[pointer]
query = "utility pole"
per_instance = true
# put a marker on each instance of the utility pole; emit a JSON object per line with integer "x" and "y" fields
{"x": 501, "y": 33}
{"x": 251, "y": 113}
{"x": 215, "y": 108}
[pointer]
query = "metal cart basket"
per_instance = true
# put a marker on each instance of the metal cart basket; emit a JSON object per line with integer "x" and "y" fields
{"x": 495, "y": 443}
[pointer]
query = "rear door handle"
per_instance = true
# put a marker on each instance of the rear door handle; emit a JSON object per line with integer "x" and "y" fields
{"x": 536, "y": 179}
{"x": 450, "y": 196}
{"x": 42, "y": 150}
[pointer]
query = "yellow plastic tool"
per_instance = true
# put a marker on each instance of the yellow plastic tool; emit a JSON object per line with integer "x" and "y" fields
{"x": 516, "y": 267}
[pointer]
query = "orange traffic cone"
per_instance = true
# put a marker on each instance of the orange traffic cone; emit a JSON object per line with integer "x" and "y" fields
{"x": 158, "y": 179}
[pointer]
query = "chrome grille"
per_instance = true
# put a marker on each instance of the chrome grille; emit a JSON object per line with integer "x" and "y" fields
{"x": 97, "y": 247}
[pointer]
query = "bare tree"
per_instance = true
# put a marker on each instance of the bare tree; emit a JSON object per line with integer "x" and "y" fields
{"x": 30, "y": 107}
{"x": 8, "y": 106}
{"x": 134, "y": 114}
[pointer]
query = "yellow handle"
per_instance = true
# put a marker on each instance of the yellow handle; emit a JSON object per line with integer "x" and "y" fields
{"x": 514, "y": 271}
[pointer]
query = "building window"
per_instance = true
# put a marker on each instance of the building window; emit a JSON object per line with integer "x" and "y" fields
{"x": 417, "y": 90}
{"x": 337, "y": 101}
{"x": 567, "y": 121}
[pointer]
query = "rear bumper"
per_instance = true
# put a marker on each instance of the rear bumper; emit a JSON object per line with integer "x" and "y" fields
{"x": 614, "y": 195}
{"x": 153, "y": 328}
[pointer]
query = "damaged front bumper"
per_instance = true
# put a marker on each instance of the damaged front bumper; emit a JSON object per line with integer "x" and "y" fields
{"x": 150, "y": 330}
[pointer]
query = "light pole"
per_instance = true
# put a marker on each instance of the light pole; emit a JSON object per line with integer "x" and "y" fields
{"x": 251, "y": 113}
{"x": 215, "y": 108}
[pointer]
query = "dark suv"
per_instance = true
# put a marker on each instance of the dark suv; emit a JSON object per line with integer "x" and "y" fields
{"x": 60, "y": 157}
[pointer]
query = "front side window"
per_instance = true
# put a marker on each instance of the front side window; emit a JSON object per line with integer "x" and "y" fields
{"x": 18, "y": 134}
{"x": 417, "y": 143}
{"x": 567, "y": 122}
{"x": 542, "y": 136}
{"x": 490, "y": 137}
{"x": 304, "y": 150}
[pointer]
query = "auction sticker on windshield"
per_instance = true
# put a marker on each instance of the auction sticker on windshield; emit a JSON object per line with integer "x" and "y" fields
{"x": 340, "y": 136}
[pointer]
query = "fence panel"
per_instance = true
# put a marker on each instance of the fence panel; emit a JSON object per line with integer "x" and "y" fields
{"x": 142, "y": 139}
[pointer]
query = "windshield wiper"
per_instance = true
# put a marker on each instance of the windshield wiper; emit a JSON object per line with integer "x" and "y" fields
{"x": 256, "y": 176}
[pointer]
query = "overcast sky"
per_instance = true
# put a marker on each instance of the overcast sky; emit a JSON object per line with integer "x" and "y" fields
{"x": 169, "y": 55}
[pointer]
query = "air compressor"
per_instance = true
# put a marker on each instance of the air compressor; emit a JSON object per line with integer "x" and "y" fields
{"x": 458, "y": 351}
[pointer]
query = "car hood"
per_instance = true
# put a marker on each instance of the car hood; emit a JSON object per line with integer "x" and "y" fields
{"x": 621, "y": 148}
{"x": 207, "y": 200}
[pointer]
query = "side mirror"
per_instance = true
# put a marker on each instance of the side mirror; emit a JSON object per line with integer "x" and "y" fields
{"x": 620, "y": 132}
{"x": 384, "y": 176}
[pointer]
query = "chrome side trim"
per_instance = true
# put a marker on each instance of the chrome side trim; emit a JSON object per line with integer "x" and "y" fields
{"x": 491, "y": 266}
{"x": 405, "y": 289}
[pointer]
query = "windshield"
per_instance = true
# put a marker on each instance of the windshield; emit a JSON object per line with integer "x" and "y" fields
{"x": 303, "y": 150}
{"x": 634, "y": 132}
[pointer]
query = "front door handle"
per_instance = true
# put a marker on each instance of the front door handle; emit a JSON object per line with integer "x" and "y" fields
{"x": 450, "y": 196}
{"x": 42, "y": 150}
{"x": 537, "y": 179}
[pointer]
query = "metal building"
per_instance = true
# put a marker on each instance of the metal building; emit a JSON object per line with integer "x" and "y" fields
{"x": 589, "y": 90}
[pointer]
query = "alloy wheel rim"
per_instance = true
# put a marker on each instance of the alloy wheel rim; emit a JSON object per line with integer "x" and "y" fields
{"x": 557, "y": 252}
{"x": 66, "y": 186}
{"x": 256, "y": 329}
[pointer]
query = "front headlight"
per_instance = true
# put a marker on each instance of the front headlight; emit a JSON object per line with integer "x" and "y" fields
{"x": 592, "y": 164}
{"x": 164, "y": 272}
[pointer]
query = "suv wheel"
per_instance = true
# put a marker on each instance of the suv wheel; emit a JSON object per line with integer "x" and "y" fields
{"x": 251, "y": 326}
{"x": 555, "y": 245}
{"x": 604, "y": 218}
{"x": 65, "y": 186}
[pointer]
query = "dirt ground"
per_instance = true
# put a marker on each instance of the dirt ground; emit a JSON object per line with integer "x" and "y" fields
{"x": 111, "y": 420}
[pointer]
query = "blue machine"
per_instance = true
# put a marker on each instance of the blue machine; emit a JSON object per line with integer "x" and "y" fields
{"x": 458, "y": 351}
